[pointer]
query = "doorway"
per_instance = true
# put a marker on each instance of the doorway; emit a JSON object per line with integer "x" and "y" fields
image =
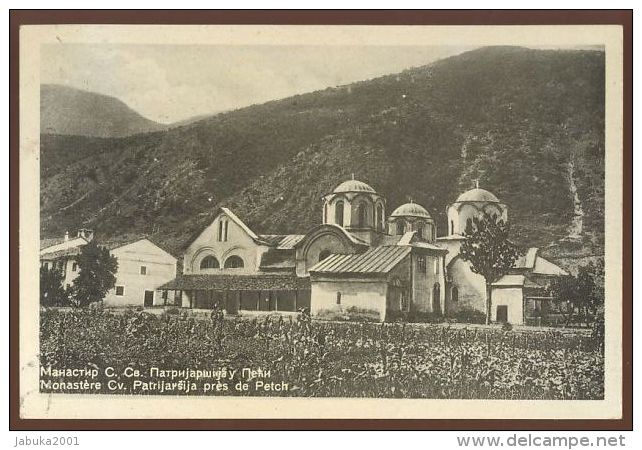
{"x": 149, "y": 298}
{"x": 502, "y": 313}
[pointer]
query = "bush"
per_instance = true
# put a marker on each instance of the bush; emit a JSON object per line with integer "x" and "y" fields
{"x": 350, "y": 314}
{"x": 173, "y": 311}
{"x": 506, "y": 326}
{"x": 469, "y": 316}
{"x": 413, "y": 317}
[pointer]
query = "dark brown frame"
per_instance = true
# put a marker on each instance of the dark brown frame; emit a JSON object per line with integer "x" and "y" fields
{"x": 624, "y": 18}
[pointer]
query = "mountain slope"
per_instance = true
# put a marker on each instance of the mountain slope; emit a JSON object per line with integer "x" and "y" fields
{"x": 515, "y": 119}
{"x": 68, "y": 111}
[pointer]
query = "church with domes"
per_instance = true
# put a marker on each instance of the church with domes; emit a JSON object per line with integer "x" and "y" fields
{"x": 359, "y": 260}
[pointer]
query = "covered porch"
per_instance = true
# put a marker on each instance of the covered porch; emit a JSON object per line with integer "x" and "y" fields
{"x": 233, "y": 293}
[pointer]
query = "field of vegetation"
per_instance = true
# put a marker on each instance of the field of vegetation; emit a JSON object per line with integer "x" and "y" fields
{"x": 330, "y": 359}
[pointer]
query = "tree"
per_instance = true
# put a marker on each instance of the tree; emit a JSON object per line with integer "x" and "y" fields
{"x": 490, "y": 253}
{"x": 52, "y": 293}
{"x": 96, "y": 275}
{"x": 583, "y": 292}
{"x": 564, "y": 291}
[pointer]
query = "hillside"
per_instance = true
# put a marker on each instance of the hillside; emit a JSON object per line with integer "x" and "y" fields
{"x": 527, "y": 123}
{"x": 68, "y": 111}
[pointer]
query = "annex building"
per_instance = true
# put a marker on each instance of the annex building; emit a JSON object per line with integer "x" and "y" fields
{"x": 358, "y": 259}
{"x": 142, "y": 267}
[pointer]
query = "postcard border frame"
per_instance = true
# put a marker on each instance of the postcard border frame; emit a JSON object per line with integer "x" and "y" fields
{"x": 623, "y": 18}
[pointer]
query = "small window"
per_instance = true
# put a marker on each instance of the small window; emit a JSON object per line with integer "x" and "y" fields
{"x": 143, "y": 270}
{"x": 338, "y": 213}
{"x": 454, "y": 294}
{"x": 421, "y": 263}
{"x": 436, "y": 266}
{"x": 120, "y": 290}
{"x": 74, "y": 267}
{"x": 400, "y": 228}
{"x": 362, "y": 215}
{"x": 234, "y": 262}
{"x": 469, "y": 226}
{"x": 452, "y": 227}
{"x": 420, "y": 231}
{"x": 338, "y": 298}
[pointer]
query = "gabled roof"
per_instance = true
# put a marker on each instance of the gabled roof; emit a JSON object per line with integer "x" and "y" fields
{"x": 527, "y": 260}
{"x": 545, "y": 267}
{"x": 67, "y": 252}
{"x": 374, "y": 260}
{"x": 535, "y": 264}
{"x": 72, "y": 243}
{"x": 50, "y": 242}
{"x": 240, "y": 223}
{"x": 115, "y": 244}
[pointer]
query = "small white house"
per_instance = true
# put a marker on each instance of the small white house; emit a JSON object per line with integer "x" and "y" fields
{"x": 142, "y": 268}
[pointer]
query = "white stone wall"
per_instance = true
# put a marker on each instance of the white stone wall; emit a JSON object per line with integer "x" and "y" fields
{"x": 512, "y": 297}
{"x": 161, "y": 268}
{"x": 360, "y": 293}
{"x": 238, "y": 243}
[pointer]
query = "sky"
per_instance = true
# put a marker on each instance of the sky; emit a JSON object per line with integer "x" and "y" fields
{"x": 170, "y": 83}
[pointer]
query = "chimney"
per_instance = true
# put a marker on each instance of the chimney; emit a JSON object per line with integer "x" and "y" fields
{"x": 66, "y": 236}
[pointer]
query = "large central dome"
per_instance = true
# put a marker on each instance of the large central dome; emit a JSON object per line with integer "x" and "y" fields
{"x": 353, "y": 186}
{"x": 477, "y": 195}
{"x": 411, "y": 210}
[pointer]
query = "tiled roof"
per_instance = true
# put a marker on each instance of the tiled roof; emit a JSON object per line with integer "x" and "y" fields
{"x": 113, "y": 244}
{"x": 237, "y": 282}
{"x": 545, "y": 267}
{"x": 73, "y": 251}
{"x": 50, "y": 242}
{"x": 510, "y": 280}
{"x": 375, "y": 260}
{"x": 281, "y": 241}
{"x": 278, "y": 259}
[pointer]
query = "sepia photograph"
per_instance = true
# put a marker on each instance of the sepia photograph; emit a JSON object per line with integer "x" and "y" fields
{"x": 319, "y": 215}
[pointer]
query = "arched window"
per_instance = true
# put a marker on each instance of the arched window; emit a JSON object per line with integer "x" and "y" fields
{"x": 400, "y": 227}
{"x": 323, "y": 255}
{"x": 435, "y": 299}
{"x": 234, "y": 262}
{"x": 362, "y": 215}
{"x": 420, "y": 230}
{"x": 325, "y": 213}
{"x": 210, "y": 262}
{"x": 338, "y": 213}
{"x": 452, "y": 227}
{"x": 454, "y": 294}
{"x": 469, "y": 225}
{"x": 379, "y": 217}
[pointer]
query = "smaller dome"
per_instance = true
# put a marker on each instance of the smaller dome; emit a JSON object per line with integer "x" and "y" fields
{"x": 411, "y": 210}
{"x": 477, "y": 195}
{"x": 353, "y": 186}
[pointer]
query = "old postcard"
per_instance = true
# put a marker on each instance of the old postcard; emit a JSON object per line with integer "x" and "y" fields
{"x": 321, "y": 222}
